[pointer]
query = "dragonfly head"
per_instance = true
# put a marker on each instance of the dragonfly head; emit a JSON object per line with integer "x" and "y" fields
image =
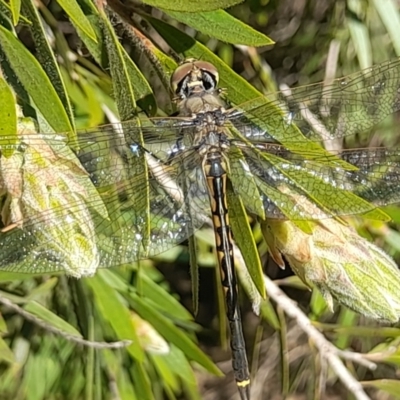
{"x": 194, "y": 77}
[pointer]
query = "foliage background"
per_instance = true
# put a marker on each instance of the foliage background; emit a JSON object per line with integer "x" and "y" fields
{"x": 36, "y": 364}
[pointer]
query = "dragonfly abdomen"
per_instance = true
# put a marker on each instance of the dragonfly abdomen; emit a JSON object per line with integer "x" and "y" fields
{"x": 215, "y": 172}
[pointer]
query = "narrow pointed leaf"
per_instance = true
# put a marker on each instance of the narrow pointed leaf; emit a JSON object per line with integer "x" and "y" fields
{"x": 117, "y": 314}
{"x": 15, "y": 6}
{"x": 192, "y": 5}
{"x": 6, "y": 354}
{"x": 143, "y": 382}
{"x": 244, "y": 238}
{"x": 390, "y": 386}
{"x": 141, "y": 88}
{"x": 74, "y": 11}
{"x": 222, "y": 26}
{"x": 123, "y": 87}
{"x": 173, "y": 334}
{"x": 388, "y": 11}
{"x": 46, "y": 55}
{"x": 125, "y": 99}
{"x": 151, "y": 290}
{"x": 36, "y": 82}
{"x": 50, "y": 318}
{"x": 8, "y": 119}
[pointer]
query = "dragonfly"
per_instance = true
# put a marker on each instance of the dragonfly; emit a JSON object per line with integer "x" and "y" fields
{"x": 129, "y": 191}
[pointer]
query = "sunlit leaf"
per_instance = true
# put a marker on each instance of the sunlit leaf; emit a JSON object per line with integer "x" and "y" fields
{"x": 8, "y": 119}
{"x": 50, "y": 318}
{"x": 6, "y": 354}
{"x": 116, "y": 313}
{"x": 15, "y": 6}
{"x": 222, "y": 26}
{"x": 390, "y": 386}
{"x": 172, "y": 334}
{"x": 245, "y": 240}
{"x": 36, "y": 82}
{"x": 192, "y": 5}
{"x": 74, "y": 11}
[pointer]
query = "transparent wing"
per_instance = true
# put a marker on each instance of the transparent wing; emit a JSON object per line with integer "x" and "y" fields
{"x": 275, "y": 183}
{"x": 347, "y": 107}
{"x": 137, "y": 189}
{"x": 102, "y": 208}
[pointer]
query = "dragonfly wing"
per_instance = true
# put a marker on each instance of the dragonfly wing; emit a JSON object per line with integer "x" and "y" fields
{"x": 348, "y": 106}
{"x": 291, "y": 186}
{"x": 74, "y": 214}
{"x": 378, "y": 176}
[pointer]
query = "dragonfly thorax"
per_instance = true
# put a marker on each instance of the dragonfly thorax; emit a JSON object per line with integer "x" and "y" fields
{"x": 201, "y": 102}
{"x": 213, "y": 141}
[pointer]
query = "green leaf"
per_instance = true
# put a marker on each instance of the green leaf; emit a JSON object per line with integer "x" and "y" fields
{"x": 8, "y": 120}
{"x": 50, "y": 318}
{"x": 388, "y": 350}
{"x": 366, "y": 331}
{"x": 151, "y": 290}
{"x": 143, "y": 382}
{"x": 125, "y": 99}
{"x": 117, "y": 369}
{"x": 95, "y": 48}
{"x": 390, "y": 386}
{"x": 6, "y": 276}
{"x": 166, "y": 371}
{"x": 244, "y": 238}
{"x": 163, "y": 299}
{"x": 15, "y": 6}
{"x": 41, "y": 364}
{"x": 360, "y": 35}
{"x": 45, "y": 288}
{"x": 3, "y": 325}
{"x": 74, "y": 11}
{"x": 6, "y": 354}
{"x": 388, "y": 11}
{"x": 122, "y": 85}
{"x": 141, "y": 88}
{"x": 192, "y": 5}
{"x": 46, "y": 56}
{"x": 346, "y": 317}
{"x": 171, "y": 333}
{"x": 249, "y": 193}
{"x": 176, "y": 365}
{"x": 267, "y": 312}
{"x": 117, "y": 314}
{"x": 222, "y": 26}
{"x": 318, "y": 304}
{"x": 36, "y": 82}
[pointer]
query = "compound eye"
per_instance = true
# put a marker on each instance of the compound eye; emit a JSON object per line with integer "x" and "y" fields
{"x": 180, "y": 74}
{"x": 209, "y": 69}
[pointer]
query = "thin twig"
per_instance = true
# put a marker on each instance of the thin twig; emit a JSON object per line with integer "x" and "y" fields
{"x": 327, "y": 350}
{"x": 72, "y": 338}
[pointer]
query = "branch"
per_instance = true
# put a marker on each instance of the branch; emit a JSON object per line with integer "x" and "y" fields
{"x": 72, "y": 338}
{"x": 327, "y": 350}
